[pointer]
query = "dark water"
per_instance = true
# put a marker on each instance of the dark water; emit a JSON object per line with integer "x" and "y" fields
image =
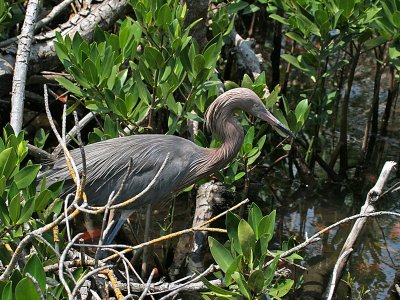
{"x": 375, "y": 261}
{"x": 376, "y": 258}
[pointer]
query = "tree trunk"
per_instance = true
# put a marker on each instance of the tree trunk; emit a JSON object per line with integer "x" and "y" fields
{"x": 392, "y": 93}
{"x": 197, "y": 9}
{"x": 276, "y": 52}
{"x": 344, "y": 111}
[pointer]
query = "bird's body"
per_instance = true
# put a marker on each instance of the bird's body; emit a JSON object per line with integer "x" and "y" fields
{"x": 107, "y": 162}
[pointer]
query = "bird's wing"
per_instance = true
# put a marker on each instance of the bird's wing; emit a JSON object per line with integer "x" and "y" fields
{"x": 107, "y": 163}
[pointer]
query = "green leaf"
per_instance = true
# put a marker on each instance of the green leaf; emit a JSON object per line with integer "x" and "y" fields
{"x": 198, "y": 63}
{"x": 26, "y": 289}
{"x": 7, "y": 291}
{"x": 396, "y": 18}
{"x": 216, "y": 289}
{"x": 292, "y": 60}
{"x": 26, "y": 176}
{"x": 321, "y": 17}
{"x": 8, "y": 161}
{"x": 232, "y": 223}
{"x": 294, "y": 36}
{"x": 287, "y": 147}
{"x": 255, "y": 216}
{"x": 238, "y": 176}
{"x": 62, "y": 52}
{"x": 241, "y": 282}
{"x": 256, "y": 281}
{"x": 248, "y": 140}
{"x": 90, "y": 71}
{"x": 69, "y": 86}
{"x": 347, "y": 6}
{"x": 247, "y": 82}
{"x": 247, "y": 239}
{"x": 27, "y": 211}
{"x": 279, "y": 19}
{"x": 374, "y": 42}
{"x": 281, "y": 289}
{"x": 153, "y": 57}
{"x": 236, "y": 7}
{"x": 42, "y": 200}
{"x": 35, "y": 268}
{"x": 4, "y": 213}
{"x": 15, "y": 208}
{"x": 2, "y": 185}
{"x": 221, "y": 255}
{"x": 269, "y": 273}
{"x": 40, "y": 138}
{"x": 273, "y": 97}
{"x": 164, "y": 16}
{"x": 301, "y": 110}
{"x": 234, "y": 267}
{"x": 267, "y": 224}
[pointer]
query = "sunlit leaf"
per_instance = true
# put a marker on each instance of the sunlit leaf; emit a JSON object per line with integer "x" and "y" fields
{"x": 247, "y": 239}
{"x": 26, "y": 176}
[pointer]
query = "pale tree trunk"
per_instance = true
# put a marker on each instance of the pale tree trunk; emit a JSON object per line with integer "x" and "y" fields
{"x": 21, "y": 66}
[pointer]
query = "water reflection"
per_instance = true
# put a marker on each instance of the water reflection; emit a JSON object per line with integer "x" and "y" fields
{"x": 376, "y": 258}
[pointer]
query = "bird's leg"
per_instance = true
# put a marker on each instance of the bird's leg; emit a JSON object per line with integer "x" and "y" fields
{"x": 112, "y": 229}
{"x": 145, "y": 239}
{"x": 116, "y": 220}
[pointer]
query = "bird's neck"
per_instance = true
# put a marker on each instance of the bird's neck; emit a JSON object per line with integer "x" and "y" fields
{"x": 232, "y": 139}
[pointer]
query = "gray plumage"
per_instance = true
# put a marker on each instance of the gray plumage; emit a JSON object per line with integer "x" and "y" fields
{"x": 108, "y": 161}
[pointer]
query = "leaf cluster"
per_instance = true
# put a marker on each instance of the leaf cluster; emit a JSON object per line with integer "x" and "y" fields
{"x": 243, "y": 258}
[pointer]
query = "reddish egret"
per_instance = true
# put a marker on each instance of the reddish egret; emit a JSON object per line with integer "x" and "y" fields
{"x": 108, "y": 161}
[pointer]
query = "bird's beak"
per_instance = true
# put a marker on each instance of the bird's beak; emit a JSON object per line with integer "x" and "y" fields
{"x": 268, "y": 117}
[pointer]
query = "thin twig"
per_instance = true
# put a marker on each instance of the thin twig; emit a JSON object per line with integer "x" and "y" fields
{"x": 114, "y": 284}
{"x": 223, "y": 213}
{"x": 66, "y": 214}
{"x": 110, "y": 201}
{"x": 175, "y": 234}
{"x": 82, "y": 280}
{"x": 316, "y": 236}
{"x": 82, "y": 149}
{"x": 152, "y": 182}
{"x": 368, "y": 207}
{"x": 146, "y": 289}
{"x": 73, "y": 132}
{"x": 176, "y": 290}
{"x": 61, "y": 266}
{"x": 123, "y": 257}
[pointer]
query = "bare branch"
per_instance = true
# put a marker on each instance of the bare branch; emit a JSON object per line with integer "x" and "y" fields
{"x": 368, "y": 207}
{"x": 335, "y": 273}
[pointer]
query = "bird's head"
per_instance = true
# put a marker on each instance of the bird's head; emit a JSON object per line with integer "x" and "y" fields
{"x": 256, "y": 108}
{"x": 244, "y": 99}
